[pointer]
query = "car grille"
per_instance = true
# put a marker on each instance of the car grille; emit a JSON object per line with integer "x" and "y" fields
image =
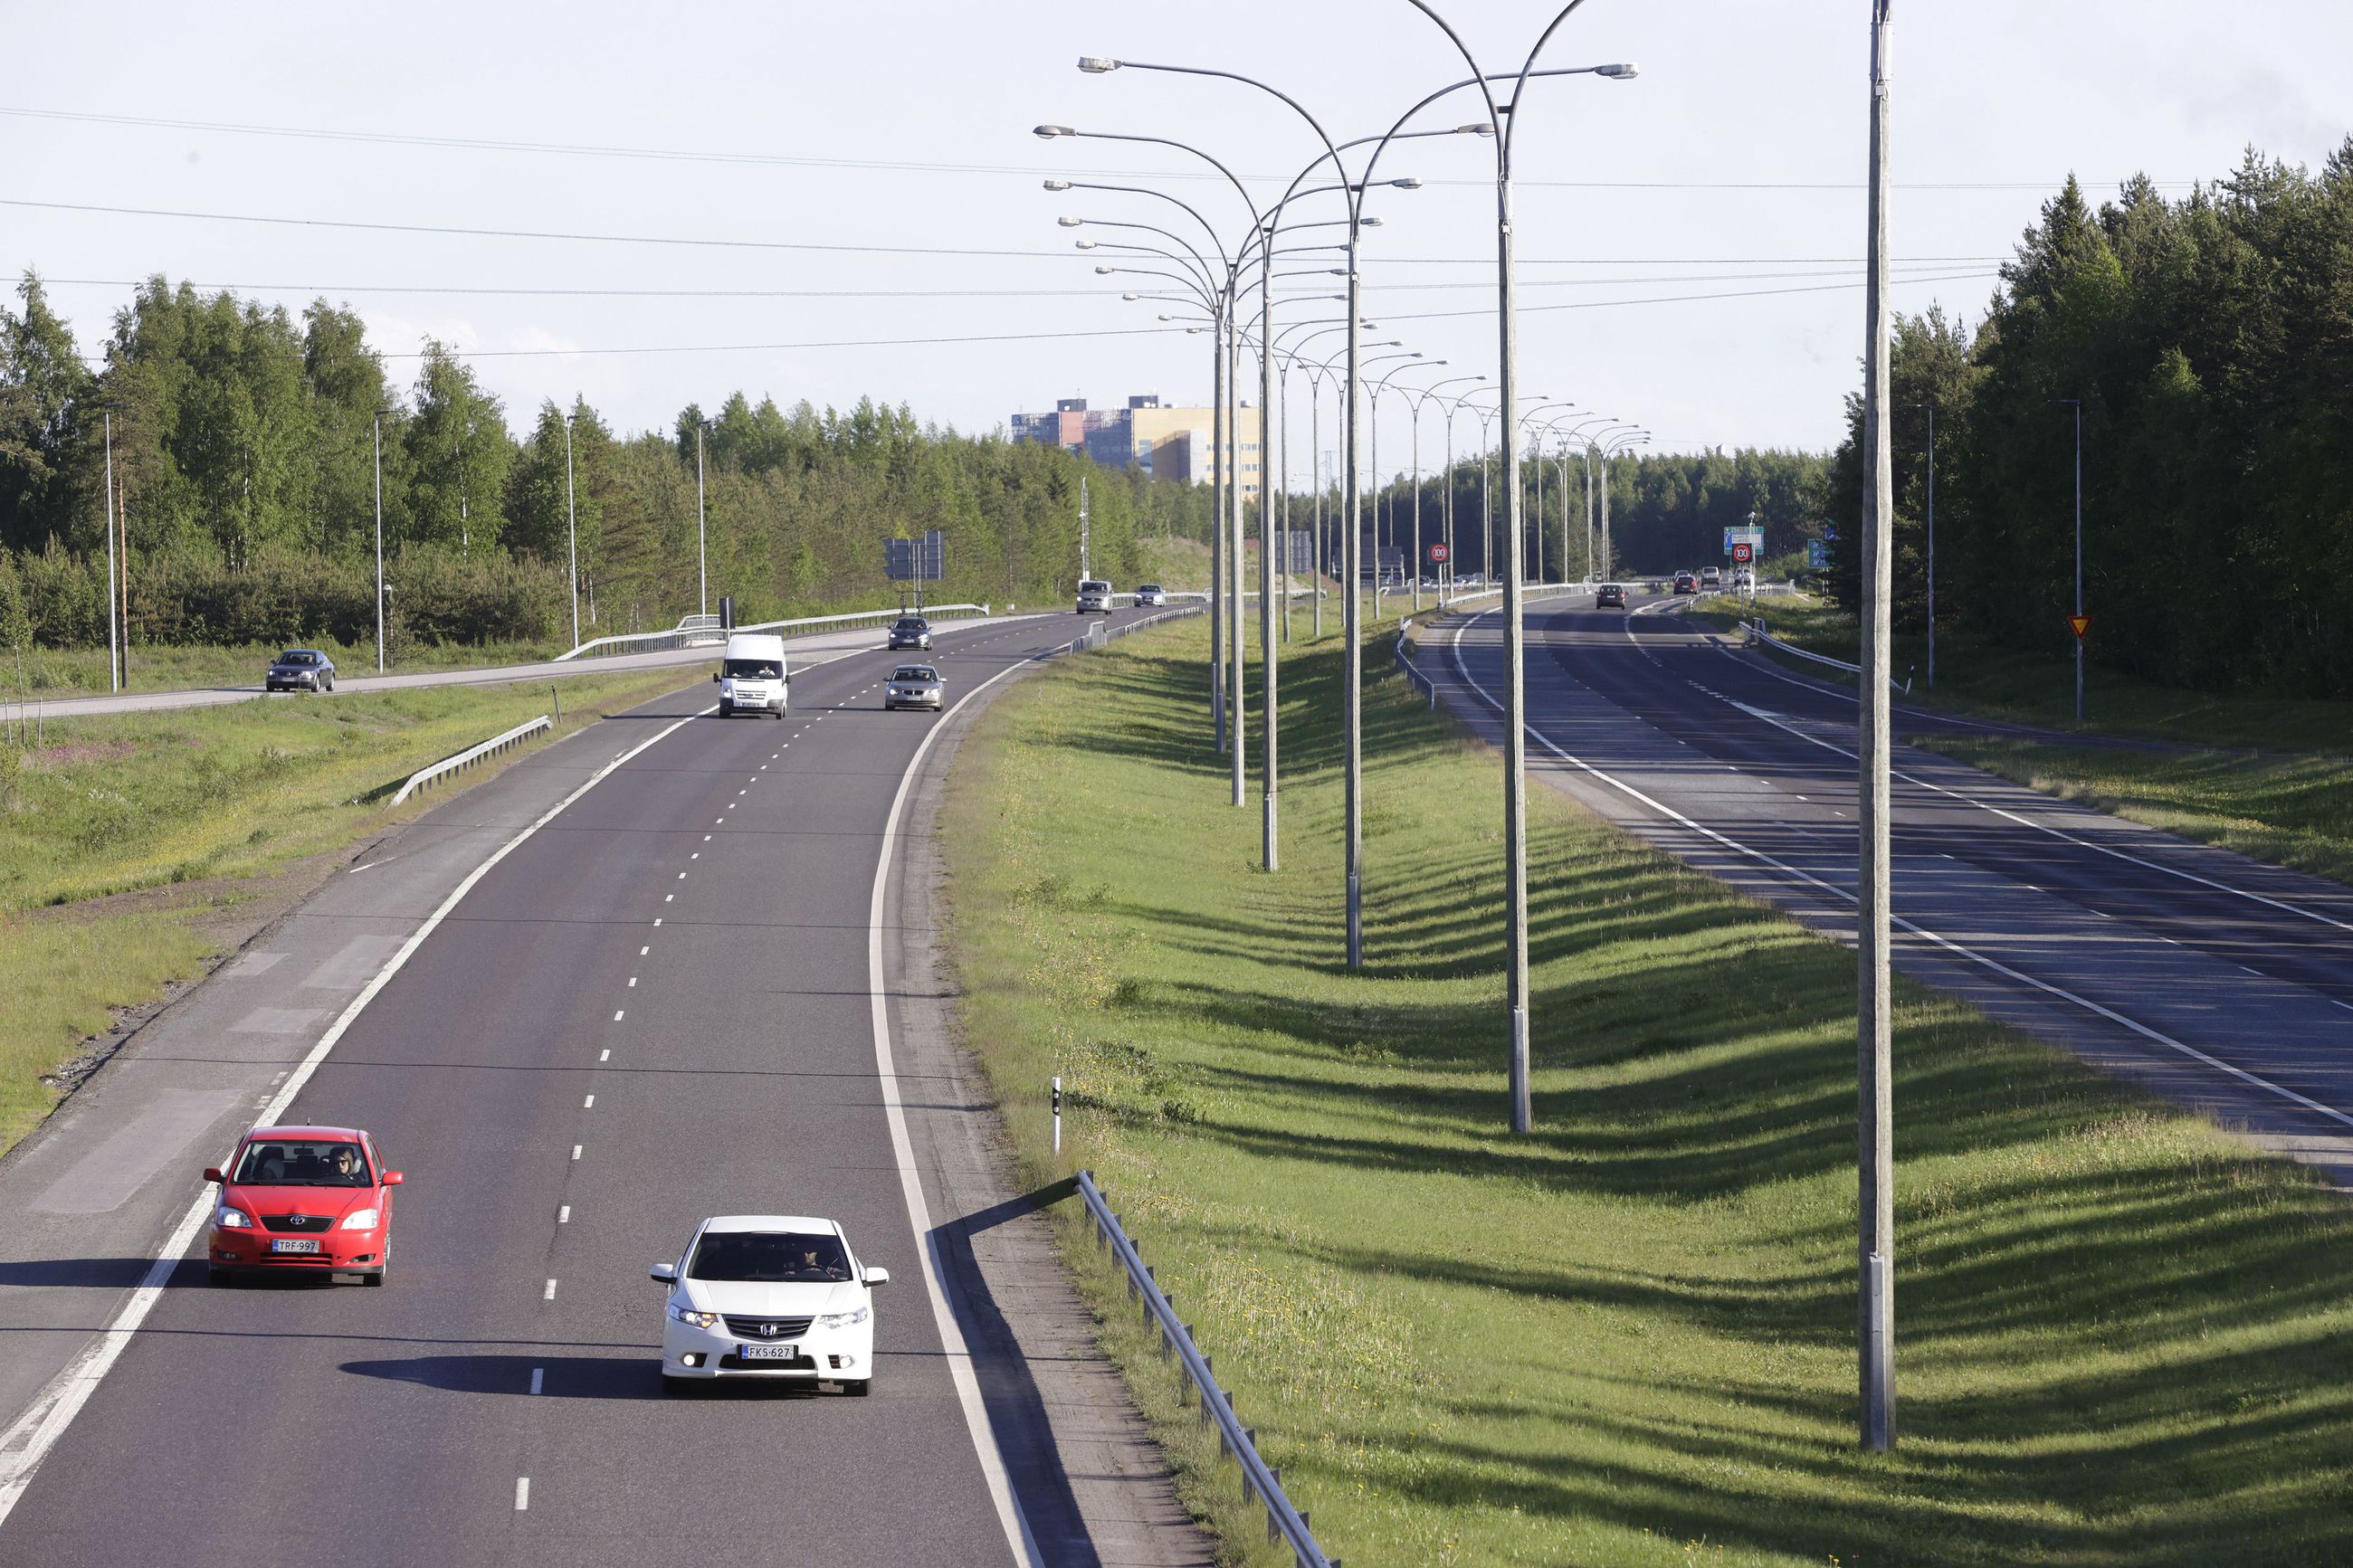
{"x": 752, "y": 1328}
{"x": 301, "y": 1222}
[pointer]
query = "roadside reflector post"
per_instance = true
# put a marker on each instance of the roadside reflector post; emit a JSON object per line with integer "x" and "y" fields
{"x": 1057, "y": 1115}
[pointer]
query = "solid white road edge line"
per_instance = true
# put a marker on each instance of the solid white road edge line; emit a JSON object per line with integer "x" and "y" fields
{"x": 1018, "y": 1538}
{"x": 34, "y": 1432}
{"x": 1974, "y": 956}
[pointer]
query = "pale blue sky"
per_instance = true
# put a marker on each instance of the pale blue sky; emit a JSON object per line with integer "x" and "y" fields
{"x": 915, "y": 118}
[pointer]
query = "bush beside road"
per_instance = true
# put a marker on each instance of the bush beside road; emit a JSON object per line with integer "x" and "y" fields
{"x": 1628, "y": 1339}
{"x": 138, "y": 844}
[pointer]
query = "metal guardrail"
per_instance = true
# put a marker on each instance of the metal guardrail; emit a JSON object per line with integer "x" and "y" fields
{"x": 1756, "y": 633}
{"x": 1285, "y": 1524}
{"x": 472, "y": 755}
{"x": 1422, "y": 682}
{"x": 1099, "y": 633}
{"x": 686, "y": 635}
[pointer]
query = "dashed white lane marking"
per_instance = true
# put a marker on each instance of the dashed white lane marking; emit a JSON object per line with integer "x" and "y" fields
{"x": 645, "y": 950}
{"x": 2251, "y": 970}
{"x": 575, "y": 1150}
{"x": 696, "y": 856}
{"x": 538, "y": 1378}
{"x": 589, "y": 1103}
{"x": 563, "y": 1215}
{"x": 706, "y": 838}
{"x": 666, "y": 898}
{"x": 28, "y": 1438}
{"x": 2347, "y": 1005}
{"x": 681, "y": 876}
{"x": 716, "y": 821}
{"x": 616, "y": 1014}
{"x": 548, "y": 1294}
{"x": 657, "y": 920}
{"x": 523, "y": 1494}
{"x": 633, "y": 982}
{"x": 605, "y": 1055}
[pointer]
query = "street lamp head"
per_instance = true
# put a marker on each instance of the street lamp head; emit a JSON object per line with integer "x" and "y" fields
{"x": 1624, "y": 70}
{"x": 1096, "y": 64}
{"x": 1067, "y": 222}
{"x": 1482, "y": 129}
{"x": 1410, "y": 182}
{"x": 1048, "y": 133}
{"x": 1058, "y": 185}
{"x": 1104, "y": 271}
{"x": 1131, "y": 296}
{"x": 1368, "y": 222}
{"x": 1086, "y": 244}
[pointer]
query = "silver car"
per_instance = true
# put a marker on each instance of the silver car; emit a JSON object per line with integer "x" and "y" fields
{"x": 1150, "y": 595}
{"x": 300, "y": 669}
{"x": 913, "y": 685}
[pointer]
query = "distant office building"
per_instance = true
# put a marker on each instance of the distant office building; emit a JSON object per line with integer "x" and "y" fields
{"x": 1166, "y": 443}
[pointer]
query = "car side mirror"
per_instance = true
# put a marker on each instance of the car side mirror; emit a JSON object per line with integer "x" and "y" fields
{"x": 874, "y": 1277}
{"x": 664, "y": 1273}
{"x": 392, "y": 1178}
{"x": 212, "y": 1173}
{"x": 715, "y": 676}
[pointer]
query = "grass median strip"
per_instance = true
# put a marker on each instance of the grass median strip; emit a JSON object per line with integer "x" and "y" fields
{"x": 1629, "y": 1338}
{"x": 128, "y": 836}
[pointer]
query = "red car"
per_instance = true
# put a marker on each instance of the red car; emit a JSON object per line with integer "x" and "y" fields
{"x": 303, "y": 1200}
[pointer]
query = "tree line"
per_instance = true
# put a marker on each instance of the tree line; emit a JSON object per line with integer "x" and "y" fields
{"x": 246, "y": 444}
{"x": 2208, "y": 344}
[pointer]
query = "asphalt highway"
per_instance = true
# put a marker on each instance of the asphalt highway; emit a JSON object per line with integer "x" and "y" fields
{"x": 2221, "y": 982}
{"x": 655, "y": 1008}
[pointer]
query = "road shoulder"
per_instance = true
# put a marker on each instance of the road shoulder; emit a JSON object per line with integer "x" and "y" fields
{"x": 1092, "y": 1484}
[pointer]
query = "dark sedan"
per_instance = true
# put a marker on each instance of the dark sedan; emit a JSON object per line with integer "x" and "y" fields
{"x": 1609, "y": 596}
{"x": 912, "y": 631}
{"x": 300, "y": 669}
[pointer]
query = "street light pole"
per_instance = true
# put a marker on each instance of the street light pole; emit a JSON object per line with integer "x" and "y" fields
{"x": 572, "y": 530}
{"x": 701, "y": 555}
{"x": 1931, "y": 407}
{"x": 379, "y": 544}
{"x": 113, "y": 632}
{"x": 1875, "y": 1179}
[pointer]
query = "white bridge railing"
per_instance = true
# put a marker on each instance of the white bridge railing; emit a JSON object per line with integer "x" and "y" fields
{"x": 704, "y": 631}
{"x": 471, "y": 755}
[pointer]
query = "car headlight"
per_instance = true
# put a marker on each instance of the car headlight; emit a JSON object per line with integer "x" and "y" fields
{"x": 359, "y": 1219}
{"x": 845, "y": 1320}
{"x": 233, "y": 1219}
{"x": 692, "y": 1319}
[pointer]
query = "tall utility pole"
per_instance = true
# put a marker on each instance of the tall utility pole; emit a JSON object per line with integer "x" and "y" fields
{"x": 113, "y": 632}
{"x": 1218, "y": 566}
{"x": 379, "y": 543}
{"x": 1083, "y": 572}
{"x": 1269, "y": 856}
{"x": 1236, "y": 695}
{"x": 701, "y": 555}
{"x": 1932, "y": 545}
{"x": 572, "y": 530}
{"x": 1875, "y": 1243}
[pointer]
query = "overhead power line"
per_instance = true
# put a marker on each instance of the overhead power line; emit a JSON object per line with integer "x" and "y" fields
{"x": 379, "y": 227}
{"x": 690, "y": 156}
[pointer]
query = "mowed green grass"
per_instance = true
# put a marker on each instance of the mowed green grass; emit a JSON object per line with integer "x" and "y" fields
{"x": 210, "y": 797}
{"x": 1628, "y": 1339}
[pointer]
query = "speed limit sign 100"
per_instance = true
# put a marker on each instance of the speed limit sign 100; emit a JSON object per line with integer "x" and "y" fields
{"x": 1439, "y": 552}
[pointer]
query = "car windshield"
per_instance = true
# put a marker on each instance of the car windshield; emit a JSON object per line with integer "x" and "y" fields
{"x": 302, "y": 1162}
{"x": 913, "y": 624}
{"x": 298, "y": 656}
{"x": 915, "y": 672}
{"x": 1149, "y": 588}
{"x": 752, "y": 668}
{"x": 767, "y": 1256}
{"x": 1091, "y": 587}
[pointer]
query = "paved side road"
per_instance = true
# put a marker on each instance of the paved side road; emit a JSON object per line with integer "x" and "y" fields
{"x": 816, "y": 644}
{"x": 662, "y": 1003}
{"x": 2225, "y": 983}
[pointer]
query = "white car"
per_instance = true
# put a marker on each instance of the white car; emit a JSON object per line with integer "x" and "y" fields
{"x": 1094, "y": 596}
{"x": 1149, "y": 595}
{"x": 754, "y": 677}
{"x": 779, "y": 1297}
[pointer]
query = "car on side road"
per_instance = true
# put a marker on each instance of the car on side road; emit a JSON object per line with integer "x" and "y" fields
{"x": 1609, "y": 596}
{"x": 303, "y": 1200}
{"x": 1687, "y": 583}
{"x": 1150, "y": 595}
{"x": 913, "y": 685}
{"x": 774, "y": 1297}
{"x": 1094, "y": 597}
{"x": 300, "y": 669}
{"x": 911, "y": 631}
{"x": 1744, "y": 580}
{"x": 752, "y": 675}
{"x": 1711, "y": 577}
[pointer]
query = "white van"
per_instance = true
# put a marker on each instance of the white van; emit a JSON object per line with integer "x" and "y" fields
{"x": 1094, "y": 597}
{"x": 752, "y": 677}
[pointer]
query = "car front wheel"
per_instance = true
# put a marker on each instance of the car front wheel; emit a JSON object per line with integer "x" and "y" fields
{"x": 859, "y": 1389}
